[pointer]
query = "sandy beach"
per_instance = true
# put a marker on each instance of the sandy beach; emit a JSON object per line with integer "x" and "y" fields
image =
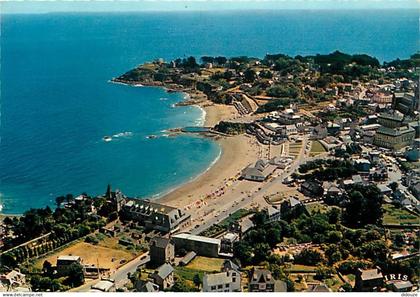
{"x": 237, "y": 152}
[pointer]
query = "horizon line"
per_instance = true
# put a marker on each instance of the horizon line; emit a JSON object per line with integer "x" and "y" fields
{"x": 186, "y": 10}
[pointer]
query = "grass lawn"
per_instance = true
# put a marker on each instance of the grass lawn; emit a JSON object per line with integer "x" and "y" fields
{"x": 90, "y": 254}
{"x": 300, "y": 268}
{"x": 316, "y": 148}
{"x": 351, "y": 277}
{"x": 188, "y": 274}
{"x": 334, "y": 283}
{"x": 205, "y": 264}
{"x": 234, "y": 217}
{"x": 199, "y": 266}
{"x": 294, "y": 149}
{"x": 394, "y": 215}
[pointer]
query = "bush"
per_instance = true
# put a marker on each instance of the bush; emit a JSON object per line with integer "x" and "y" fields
{"x": 309, "y": 257}
{"x": 91, "y": 239}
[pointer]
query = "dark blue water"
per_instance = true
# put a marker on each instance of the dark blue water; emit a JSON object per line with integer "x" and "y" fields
{"x": 56, "y": 103}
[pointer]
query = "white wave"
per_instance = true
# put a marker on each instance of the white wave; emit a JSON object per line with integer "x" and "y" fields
{"x": 163, "y": 99}
{"x": 123, "y": 134}
{"x": 202, "y": 120}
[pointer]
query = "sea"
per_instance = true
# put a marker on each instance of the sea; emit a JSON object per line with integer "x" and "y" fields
{"x": 57, "y": 103}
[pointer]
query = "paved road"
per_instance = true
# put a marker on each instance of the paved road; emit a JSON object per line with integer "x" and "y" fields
{"x": 130, "y": 267}
{"x": 395, "y": 176}
{"x": 245, "y": 200}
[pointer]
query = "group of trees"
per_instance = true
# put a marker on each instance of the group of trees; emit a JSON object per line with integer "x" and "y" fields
{"x": 274, "y": 105}
{"x": 64, "y": 224}
{"x": 187, "y": 63}
{"x": 363, "y": 206}
{"x": 284, "y": 91}
{"x": 231, "y": 128}
{"x": 217, "y": 60}
{"x": 47, "y": 281}
{"x": 326, "y": 170}
{"x": 337, "y": 63}
{"x": 330, "y": 230}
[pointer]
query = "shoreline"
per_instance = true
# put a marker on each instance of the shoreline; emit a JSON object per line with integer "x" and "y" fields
{"x": 236, "y": 152}
{"x": 230, "y": 147}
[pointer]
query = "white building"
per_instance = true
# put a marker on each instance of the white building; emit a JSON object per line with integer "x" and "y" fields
{"x": 226, "y": 281}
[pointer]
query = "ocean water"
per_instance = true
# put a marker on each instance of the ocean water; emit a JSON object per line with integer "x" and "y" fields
{"x": 57, "y": 103}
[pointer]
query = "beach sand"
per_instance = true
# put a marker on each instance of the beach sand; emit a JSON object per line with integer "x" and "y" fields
{"x": 218, "y": 112}
{"x": 237, "y": 153}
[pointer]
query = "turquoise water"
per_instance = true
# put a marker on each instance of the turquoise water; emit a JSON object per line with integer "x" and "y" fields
{"x": 57, "y": 104}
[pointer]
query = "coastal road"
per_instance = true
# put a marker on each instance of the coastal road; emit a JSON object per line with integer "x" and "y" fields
{"x": 245, "y": 200}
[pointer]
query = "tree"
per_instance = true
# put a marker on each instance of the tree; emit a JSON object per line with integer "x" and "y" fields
{"x": 363, "y": 206}
{"x": 243, "y": 251}
{"x": 376, "y": 250}
{"x": 266, "y": 74}
{"x": 197, "y": 280}
{"x": 334, "y": 215}
{"x": 59, "y": 200}
{"x": 180, "y": 285}
{"x": 220, "y": 60}
{"x": 259, "y": 218}
{"x": 75, "y": 275}
{"x": 323, "y": 272}
{"x": 261, "y": 252}
{"x": 249, "y": 75}
{"x": 333, "y": 254}
{"x": 206, "y": 59}
{"x": 308, "y": 257}
{"x": 393, "y": 186}
{"x": 47, "y": 268}
{"x": 8, "y": 260}
{"x": 347, "y": 287}
{"x": 274, "y": 236}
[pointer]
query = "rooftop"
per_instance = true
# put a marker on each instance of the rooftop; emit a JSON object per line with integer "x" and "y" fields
{"x": 217, "y": 278}
{"x": 395, "y": 132}
{"x": 103, "y": 285}
{"x": 164, "y": 270}
{"x": 68, "y": 258}
{"x": 188, "y": 236}
{"x": 370, "y": 274}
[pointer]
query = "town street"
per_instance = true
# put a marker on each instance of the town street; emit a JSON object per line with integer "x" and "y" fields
{"x": 246, "y": 200}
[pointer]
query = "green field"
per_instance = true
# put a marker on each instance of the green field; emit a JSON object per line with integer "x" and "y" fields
{"x": 199, "y": 266}
{"x": 294, "y": 149}
{"x": 299, "y": 268}
{"x": 205, "y": 264}
{"x": 334, "y": 283}
{"x": 317, "y": 148}
{"x": 399, "y": 216}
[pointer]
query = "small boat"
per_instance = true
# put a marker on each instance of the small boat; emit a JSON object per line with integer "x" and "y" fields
{"x": 152, "y": 136}
{"x": 107, "y": 138}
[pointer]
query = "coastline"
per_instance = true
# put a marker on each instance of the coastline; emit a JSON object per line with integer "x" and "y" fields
{"x": 236, "y": 152}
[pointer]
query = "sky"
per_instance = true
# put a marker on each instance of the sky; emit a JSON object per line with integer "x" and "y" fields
{"x": 46, "y": 6}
